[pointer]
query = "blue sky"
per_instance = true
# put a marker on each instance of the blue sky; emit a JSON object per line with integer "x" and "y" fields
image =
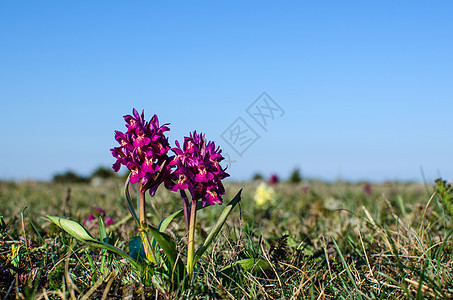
{"x": 366, "y": 87}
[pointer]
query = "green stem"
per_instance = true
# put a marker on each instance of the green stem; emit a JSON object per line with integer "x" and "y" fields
{"x": 141, "y": 206}
{"x": 191, "y": 242}
{"x": 143, "y": 225}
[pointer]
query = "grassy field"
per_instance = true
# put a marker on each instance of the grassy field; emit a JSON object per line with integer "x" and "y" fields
{"x": 311, "y": 240}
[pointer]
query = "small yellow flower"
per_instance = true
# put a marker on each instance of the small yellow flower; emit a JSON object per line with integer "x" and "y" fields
{"x": 264, "y": 194}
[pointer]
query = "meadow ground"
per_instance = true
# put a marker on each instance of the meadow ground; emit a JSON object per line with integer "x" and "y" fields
{"x": 311, "y": 240}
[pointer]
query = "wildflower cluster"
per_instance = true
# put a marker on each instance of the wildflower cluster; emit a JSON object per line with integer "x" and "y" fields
{"x": 198, "y": 169}
{"x": 143, "y": 150}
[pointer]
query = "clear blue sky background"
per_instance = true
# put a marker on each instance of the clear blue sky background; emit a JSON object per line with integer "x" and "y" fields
{"x": 367, "y": 86}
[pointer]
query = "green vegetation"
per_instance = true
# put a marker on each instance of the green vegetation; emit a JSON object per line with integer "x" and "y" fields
{"x": 72, "y": 177}
{"x": 316, "y": 241}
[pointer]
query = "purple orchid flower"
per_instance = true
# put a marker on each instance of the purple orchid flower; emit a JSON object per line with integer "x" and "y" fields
{"x": 143, "y": 150}
{"x": 89, "y": 220}
{"x": 109, "y": 221}
{"x": 198, "y": 169}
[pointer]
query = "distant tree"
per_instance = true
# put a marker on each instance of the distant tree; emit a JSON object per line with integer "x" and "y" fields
{"x": 103, "y": 172}
{"x": 295, "y": 176}
{"x": 257, "y": 176}
{"x": 69, "y": 177}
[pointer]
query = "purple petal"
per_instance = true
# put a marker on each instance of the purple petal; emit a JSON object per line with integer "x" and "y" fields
{"x": 135, "y": 113}
{"x": 141, "y": 141}
{"x": 116, "y": 166}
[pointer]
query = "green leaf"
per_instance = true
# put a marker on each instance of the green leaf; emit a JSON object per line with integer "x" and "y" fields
{"x": 165, "y": 222}
{"x": 73, "y": 228}
{"x": 165, "y": 242}
{"x": 252, "y": 264}
{"x": 102, "y": 231}
{"x": 136, "y": 249}
{"x": 218, "y": 225}
{"x": 169, "y": 247}
{"x": 249, "y": 264}
{"x": 81, "y": 234}
{"x": 103, "y": 237}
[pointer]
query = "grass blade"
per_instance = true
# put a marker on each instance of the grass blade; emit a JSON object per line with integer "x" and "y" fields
{"x": 165, "y": 222}
{"x": 345, "y": 265}
{"x": 216, "y": 229}
{"x": 103, "y": 238}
